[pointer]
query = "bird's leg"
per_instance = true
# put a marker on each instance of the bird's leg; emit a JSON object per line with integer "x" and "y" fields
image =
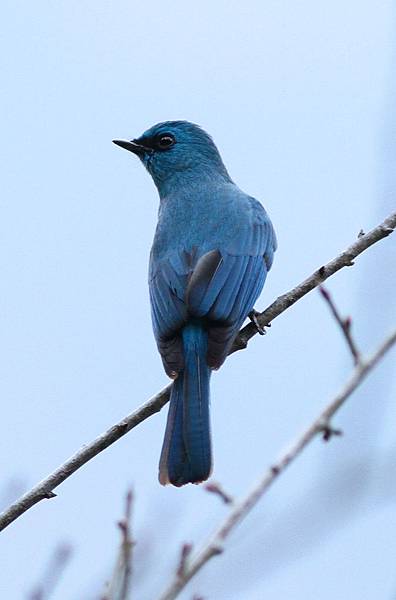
{"x": 253, "y": 317}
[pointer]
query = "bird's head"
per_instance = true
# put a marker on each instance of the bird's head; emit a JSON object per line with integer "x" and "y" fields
{"x": 177, "y": 151}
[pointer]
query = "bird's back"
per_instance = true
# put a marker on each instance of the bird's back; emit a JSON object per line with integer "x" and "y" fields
{"x": 219, "y": 216}
{"x": 212, "y": 249}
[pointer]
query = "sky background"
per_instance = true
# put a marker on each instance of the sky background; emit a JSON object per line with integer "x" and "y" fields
{"x": 299, "y": 97}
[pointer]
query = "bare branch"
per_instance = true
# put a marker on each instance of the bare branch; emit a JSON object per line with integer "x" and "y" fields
{"x": 45, "y": 488}
{"x": 53, "y": 573}
{"x": 344, "y": 324}
{"x": 243, "y": 507}
{"x": 120, "y": 584}
{"x": 185, "y": 552}
{"x": 345, "y": 259}
{"x": 215, "y": 488}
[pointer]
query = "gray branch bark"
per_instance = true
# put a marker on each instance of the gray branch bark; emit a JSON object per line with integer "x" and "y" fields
{"x": 242, "y": 508}
{"x": 119, "y": 587}
{"x": 44, "y": 489}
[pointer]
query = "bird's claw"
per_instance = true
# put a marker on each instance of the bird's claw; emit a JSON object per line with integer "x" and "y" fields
{"x": 253, "y": 317}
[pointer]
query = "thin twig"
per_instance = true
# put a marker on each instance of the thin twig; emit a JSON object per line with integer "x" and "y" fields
{"x": 45, "y": 488}
{"x": 53, "y": 573}
{"x": 243, "y": 507}
{"x": 215, "y": 488}
{"x": 185, "y": 552}
{"x": 120, "y": 585}
{"x": 344, "y": 324}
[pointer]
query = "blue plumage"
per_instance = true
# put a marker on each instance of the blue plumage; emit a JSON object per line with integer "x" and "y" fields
{"x": 212, "y": 250}
{"x": 186, "y": 453}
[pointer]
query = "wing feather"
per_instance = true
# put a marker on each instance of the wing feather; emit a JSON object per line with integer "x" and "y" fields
{"x": 220, "y": 284}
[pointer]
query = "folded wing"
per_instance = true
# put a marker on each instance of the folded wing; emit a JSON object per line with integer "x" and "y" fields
{"x": 219, "y": 285}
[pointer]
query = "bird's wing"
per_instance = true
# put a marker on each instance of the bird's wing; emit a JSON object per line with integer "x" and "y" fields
{"x": 168, "y": 281}
{"x": 226, "y": 282}
{"x": 220, "y": 284}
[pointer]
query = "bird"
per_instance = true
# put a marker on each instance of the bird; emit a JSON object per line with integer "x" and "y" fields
{"x": 213, "y": 247}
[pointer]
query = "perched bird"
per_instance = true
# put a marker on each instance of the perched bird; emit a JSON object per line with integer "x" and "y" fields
{"x": 212, "y": 249}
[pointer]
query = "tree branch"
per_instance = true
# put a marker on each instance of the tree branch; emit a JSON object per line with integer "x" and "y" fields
{"x": 345, "y": 259}
{"x": 344, "y": 324}
{"x": 119, "y": 587}
{"x": 53, "y": 573}
{"x": 45, "y": 488}
{"x": 214, "y": 545}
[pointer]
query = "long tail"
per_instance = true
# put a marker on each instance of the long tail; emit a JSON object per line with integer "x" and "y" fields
{"x": 186, "y": 455}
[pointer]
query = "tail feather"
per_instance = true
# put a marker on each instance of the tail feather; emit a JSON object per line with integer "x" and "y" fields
{"x": 186, "y": 452}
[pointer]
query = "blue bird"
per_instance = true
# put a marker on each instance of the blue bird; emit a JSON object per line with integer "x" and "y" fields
{"x": 212, "y": 250}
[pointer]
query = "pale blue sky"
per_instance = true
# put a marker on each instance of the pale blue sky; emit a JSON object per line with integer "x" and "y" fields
{"x": 299, "y": 98}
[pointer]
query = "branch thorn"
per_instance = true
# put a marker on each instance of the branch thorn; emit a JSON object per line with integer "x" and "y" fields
{"x": 49, "y": 495}
{"x": 328, "y": 431}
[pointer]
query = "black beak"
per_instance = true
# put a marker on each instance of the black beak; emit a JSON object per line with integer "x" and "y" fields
{"x": 132, "y": 146}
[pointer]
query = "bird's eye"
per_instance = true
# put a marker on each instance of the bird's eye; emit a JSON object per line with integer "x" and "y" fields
{"x": 165, "y": 141}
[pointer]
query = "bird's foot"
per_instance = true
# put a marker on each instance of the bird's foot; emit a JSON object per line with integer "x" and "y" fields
{"x": 253, "y": 317}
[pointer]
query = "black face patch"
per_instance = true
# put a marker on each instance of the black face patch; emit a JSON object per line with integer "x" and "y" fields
{"x": 161, "y": 142}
